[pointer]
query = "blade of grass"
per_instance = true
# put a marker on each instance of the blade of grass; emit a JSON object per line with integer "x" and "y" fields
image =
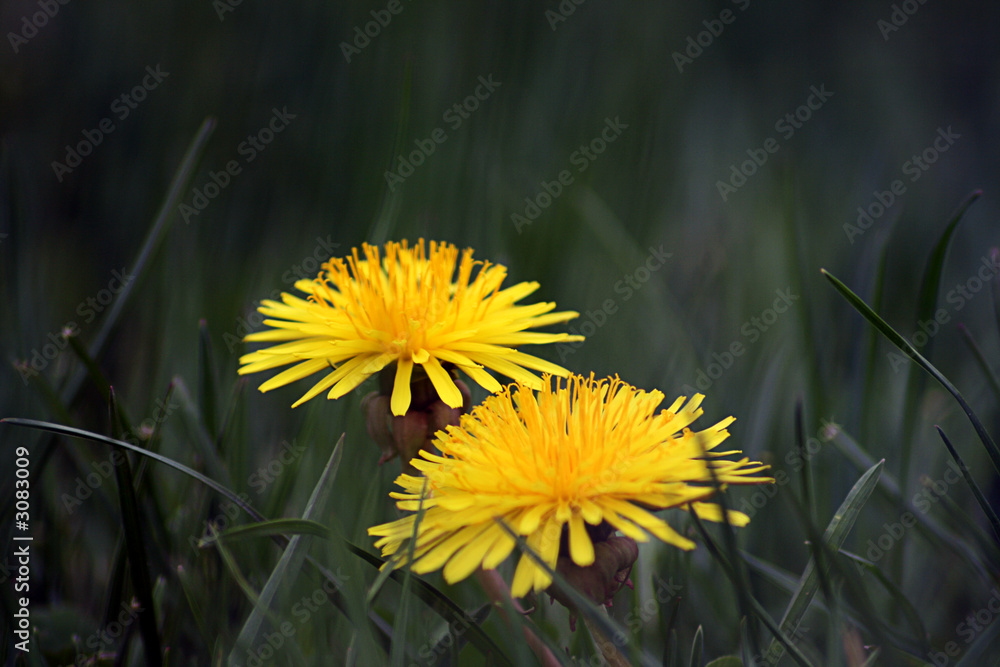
{"x": 902, "y": 344}
{"x": 135, "y": 545}
{"x": 980, "y": 498}
{"x": 290, "y": 563}
{"x": 268, "y": 529}
{"x": 928, "y": 526}
{"x": 431, "y": 596}
{"x": 697, "y": 648}
{"x": 833, "y": 537}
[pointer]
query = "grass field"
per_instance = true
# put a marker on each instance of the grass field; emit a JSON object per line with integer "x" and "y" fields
{"x": 680, "y": 174}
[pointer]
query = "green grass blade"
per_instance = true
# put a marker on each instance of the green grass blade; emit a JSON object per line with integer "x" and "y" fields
{"x": 269, "y": 529}
{"x": 902, "y": 344}
{"x": 833, "y": 538}
{"x": 135, "y": 546}
{"x": 439, "y": 602}
{"x": 290, "y": 563}
{"x": 87, "y": 435}
{"x": 980, "y": 498}
{"x": 927, "y": 525}
{"x": 166, "y": 213}
{"x": 697, "y": 648}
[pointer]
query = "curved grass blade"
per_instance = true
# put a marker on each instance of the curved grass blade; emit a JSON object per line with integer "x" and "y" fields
{"x": 135, "y": 545}
{"x": 87, "y": 435}
{"x": 268, "y": 528}
{"x": 929, "y": 527}
{"x": 833, "y": 538}
{"x": 290, "y": 563}
{"x": 697, "y": 648}
{"x": 980, "y": 498}
{"x": 435, "y": 599}
{"x": 902, "y": 344}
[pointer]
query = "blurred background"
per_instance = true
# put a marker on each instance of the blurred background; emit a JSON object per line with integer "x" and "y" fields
{"x": 678, "y": 173}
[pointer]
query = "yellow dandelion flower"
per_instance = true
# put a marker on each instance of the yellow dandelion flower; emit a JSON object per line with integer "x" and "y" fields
{"x": 585, "y": 454}
{"x": 408, "y": 307}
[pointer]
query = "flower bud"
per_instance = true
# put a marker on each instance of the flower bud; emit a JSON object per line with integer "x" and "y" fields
{"x": 599, "y": 582}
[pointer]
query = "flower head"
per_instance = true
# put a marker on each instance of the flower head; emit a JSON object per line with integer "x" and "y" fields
{"x": 410, "y": 306}
{"x": 562, "y": 468}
